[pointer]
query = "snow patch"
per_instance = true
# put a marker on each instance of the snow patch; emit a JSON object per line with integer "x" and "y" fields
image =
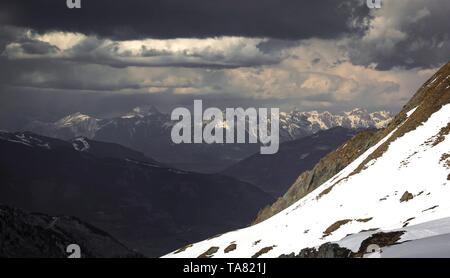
{"x": 410, "y": 112}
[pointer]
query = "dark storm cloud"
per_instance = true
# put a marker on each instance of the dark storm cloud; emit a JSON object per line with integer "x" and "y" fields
{"x": 406, "y": 34}
{"x": 194, "y": 18}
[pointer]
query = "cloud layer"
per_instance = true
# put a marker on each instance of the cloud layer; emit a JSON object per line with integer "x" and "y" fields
{"x": 312, "y": 55}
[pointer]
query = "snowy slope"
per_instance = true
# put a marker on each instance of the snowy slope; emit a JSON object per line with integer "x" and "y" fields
{"x": 405, "y": 185}
{"x": 426, "y": 240}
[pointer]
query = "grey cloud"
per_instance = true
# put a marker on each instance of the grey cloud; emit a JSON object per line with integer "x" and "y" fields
{"x": 58, "y": 75}
{"x": 409, "y": 34}
{"x": 39, "y": 48}
{"x": 239, "y": 52}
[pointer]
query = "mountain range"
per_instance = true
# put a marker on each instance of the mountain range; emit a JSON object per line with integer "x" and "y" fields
{"x": 148, "y": 130}
{"x": 297, "y": 124}
{"x": 382, "y": 194}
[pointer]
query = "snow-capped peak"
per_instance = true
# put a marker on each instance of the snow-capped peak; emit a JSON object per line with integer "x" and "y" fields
{"x": 297, "y": 124}
{"x": 74, "y": 119}
{"x": 78, "y": 123}
{"x": 293, "y": 125}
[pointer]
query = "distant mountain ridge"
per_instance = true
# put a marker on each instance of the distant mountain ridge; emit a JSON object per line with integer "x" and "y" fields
{"x": 148, "y": 130}
{"x": 297, "y": 124}
{"x": 293, "y": 125}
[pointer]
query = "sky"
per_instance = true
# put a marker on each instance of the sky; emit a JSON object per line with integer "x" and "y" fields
{"x": 110, "y": 55}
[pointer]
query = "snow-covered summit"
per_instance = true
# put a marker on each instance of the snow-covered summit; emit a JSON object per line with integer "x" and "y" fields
{"x": 73, "y": 125}
{"x": 75, "y": 119}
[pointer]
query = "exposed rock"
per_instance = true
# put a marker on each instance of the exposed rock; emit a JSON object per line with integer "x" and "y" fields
{"x": 335, "y": 226}
{"x": 406, "y": 197}
{"x": 211, "y": 251}
{"x": 441, "y": 135}
{"x": 381, "y": 239}
{"x": 262, "y": 252}
{"x": 324, "y": 192}
{"x": 364, "y": 220}
{"x": 445, "y": 159}
{"x": 327, "y": 250}
{"x": 230, "y": 248}
{"x": 333, "y": 250}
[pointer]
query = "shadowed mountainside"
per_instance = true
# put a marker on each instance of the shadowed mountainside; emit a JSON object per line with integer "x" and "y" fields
{"x": 146, "y": 205}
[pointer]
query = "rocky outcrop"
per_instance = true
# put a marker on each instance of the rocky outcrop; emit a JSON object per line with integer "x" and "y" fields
{"x": 327, "y": 250}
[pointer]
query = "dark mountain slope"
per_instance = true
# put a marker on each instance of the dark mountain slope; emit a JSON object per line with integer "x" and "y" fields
{"x": 109, "y": 150}
{"x": 149, "y": 207}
